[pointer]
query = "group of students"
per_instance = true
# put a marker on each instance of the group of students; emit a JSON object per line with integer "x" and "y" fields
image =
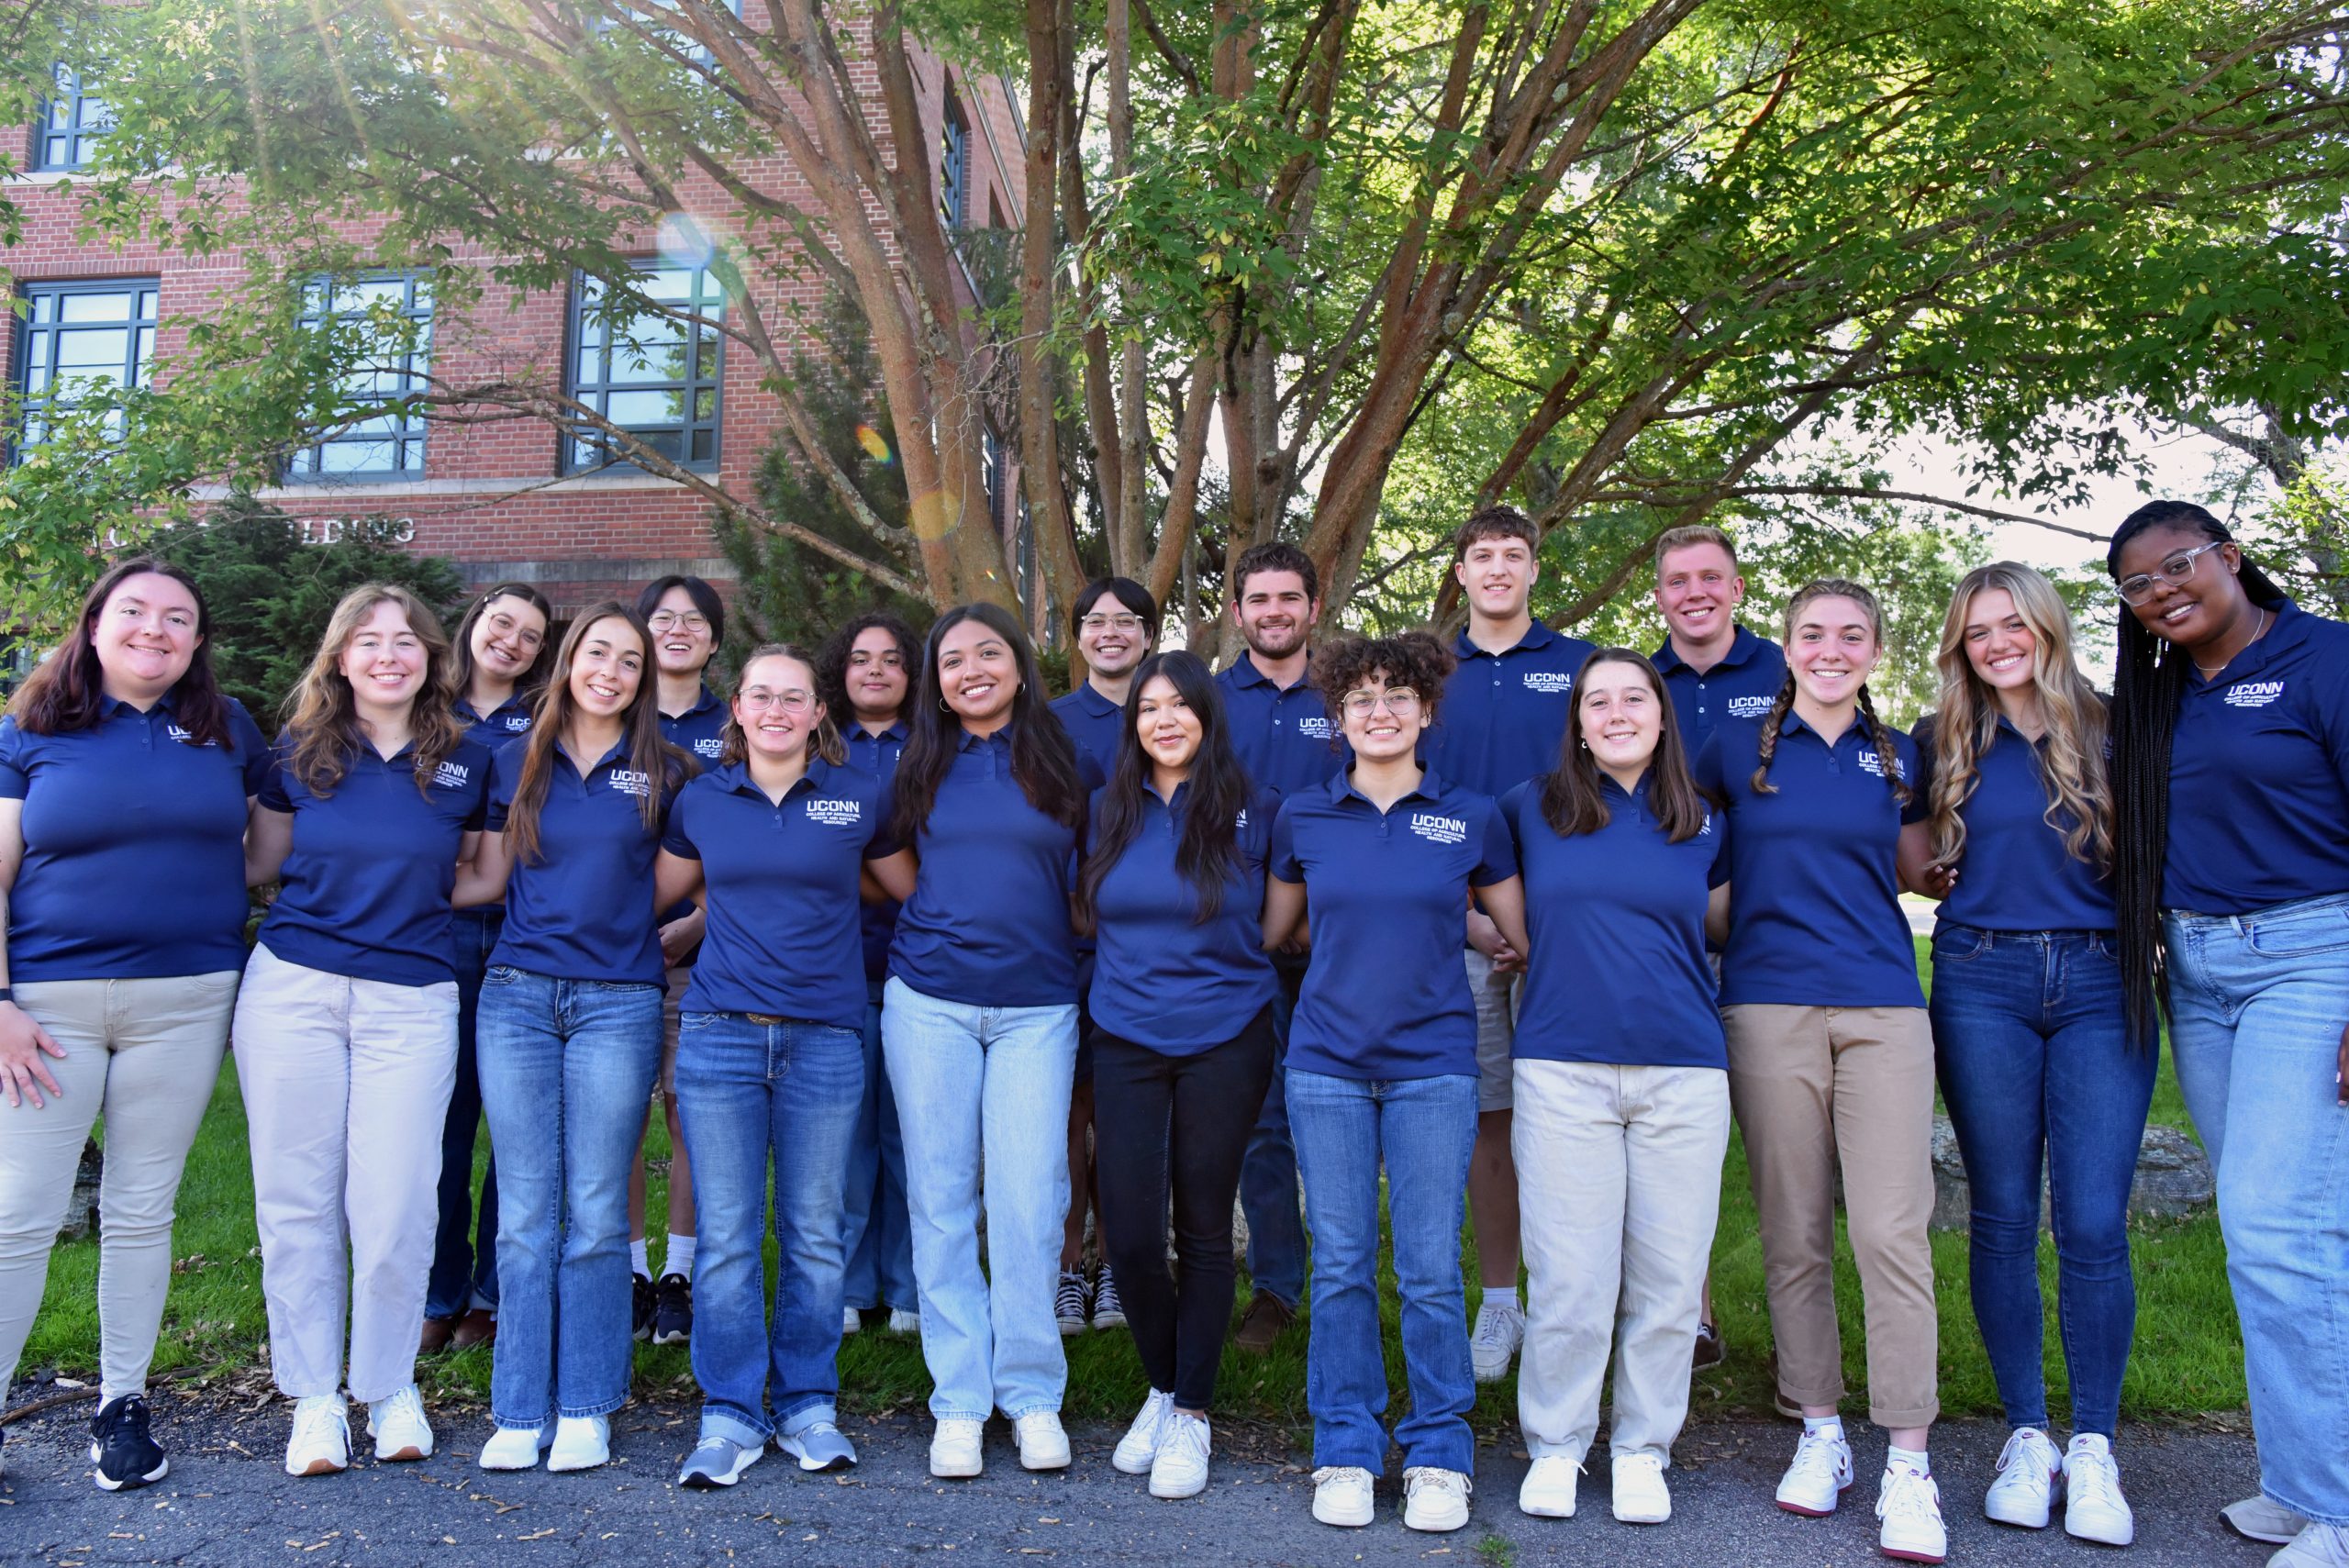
{"x": 1516, "y": 924}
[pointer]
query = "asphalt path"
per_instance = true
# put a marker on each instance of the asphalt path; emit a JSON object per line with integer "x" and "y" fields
{"x": 228, "y": 1503}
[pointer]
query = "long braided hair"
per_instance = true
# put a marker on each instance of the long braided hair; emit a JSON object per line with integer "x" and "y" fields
{"x": 1879, "y": 732}
{"x": 2147, "y": 687}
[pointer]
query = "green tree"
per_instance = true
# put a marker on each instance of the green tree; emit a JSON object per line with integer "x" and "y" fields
{"x": 269, "y": 595}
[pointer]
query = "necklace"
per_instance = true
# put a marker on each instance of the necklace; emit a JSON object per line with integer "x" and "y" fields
{"x": 2209, "y": 674}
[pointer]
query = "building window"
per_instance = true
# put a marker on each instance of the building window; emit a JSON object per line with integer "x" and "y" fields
{"x": 77, "y": 341}
{"x": 394, "y": 315}
{"x": 954, "y": 167}
{"x": 648, "y": 371}
{"x": 71, "y": 121}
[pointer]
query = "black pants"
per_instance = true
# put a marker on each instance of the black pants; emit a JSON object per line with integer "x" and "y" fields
{"x": 1175, "y": 1126}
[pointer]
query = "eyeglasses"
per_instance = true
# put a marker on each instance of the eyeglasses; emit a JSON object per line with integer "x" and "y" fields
{"x": 757, "y": 699}
{"x": 2137, "y": 589}
{"x": 1402, "y": 703}
{"x": 1106, "y": 623}
{"x": 669, "y": 620}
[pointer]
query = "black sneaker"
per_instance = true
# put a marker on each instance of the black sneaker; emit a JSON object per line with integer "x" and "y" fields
{"x": 641, "y": 1318}
{"x": 126, "y": 1456}
{"x": 672, "y": 1312}
{"x": 1072, "y": 1303}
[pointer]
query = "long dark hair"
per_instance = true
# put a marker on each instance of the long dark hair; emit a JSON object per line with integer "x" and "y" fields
{"x": 1213, "y": 796}
{"x": 530, "y": 680}
{"x": 1879, "y": 732}
{"x": 66, "y": 692}
{"x": 1043, "y": 759}
{"x": 1573, "y": 797}
{"x": 661, "y": 763}
{"x": 2147, "y": 687}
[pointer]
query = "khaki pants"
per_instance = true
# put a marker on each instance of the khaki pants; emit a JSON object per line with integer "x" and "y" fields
{"x": 1814, "y": 1087}
{"x": 145, "y": 1053}
{"x": 1619, "y": 1175}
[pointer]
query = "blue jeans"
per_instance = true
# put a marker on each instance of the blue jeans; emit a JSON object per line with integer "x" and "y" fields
{"x": 874, "y": 1230}
{"x": 982, "y": 1096}
{"x": 2257, "y": 1004}
{"x": 1423, "y": 1130}
{"x": 1268, "y": 1174}
{"x": 464, "y": 1252}
{"x": 2036, "y": 1066}
{"x": 566, "y": 1068}
{"x": 750, "y": 1089}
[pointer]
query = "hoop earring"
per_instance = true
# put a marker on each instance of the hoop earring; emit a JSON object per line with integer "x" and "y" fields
{"x": 943, "y": 708}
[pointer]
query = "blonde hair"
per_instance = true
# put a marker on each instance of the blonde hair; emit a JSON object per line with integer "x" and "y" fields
{"x": 1692, "y": 534}
{"x": 823, "y": 742}
{"x": 322, "y": 714}
{"x": 1965, "y": 721}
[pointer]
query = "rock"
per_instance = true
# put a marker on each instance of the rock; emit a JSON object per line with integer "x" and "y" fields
{"x": 81, "y": 1205}
{"x": 2174, "y": 1179}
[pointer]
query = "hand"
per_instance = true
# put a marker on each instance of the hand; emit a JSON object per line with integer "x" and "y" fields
{"x": 1938, "y": 879}
{"x": 22, "y": 1043}
{"x": 679, "y": 937}
{"x": 1506, "y": 960}
{"x": 1486, "y": 936}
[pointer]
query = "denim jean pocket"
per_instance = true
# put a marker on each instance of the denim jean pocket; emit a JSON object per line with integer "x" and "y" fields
{"x": 500, "y": 974}
{"x": 1958, "y": 943}
{"x": 687, "y": 1023}
{"x": 2317, "y": 927}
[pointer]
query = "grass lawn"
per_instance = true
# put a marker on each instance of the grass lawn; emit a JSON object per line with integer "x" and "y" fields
{"x": 2187, "y": 1357}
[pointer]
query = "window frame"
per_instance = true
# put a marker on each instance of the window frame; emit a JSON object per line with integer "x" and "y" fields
{"x": 417, "y": 304}
{"x": 79, "y": 133}
{"x": 140, "y": 327}
{"x": 705, "y": 298}
{"x": 954, "y": 164}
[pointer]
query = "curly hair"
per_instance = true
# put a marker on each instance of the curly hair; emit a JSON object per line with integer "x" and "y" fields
{"x": 831, "y": 659}
{"x": 1413, "y": 659}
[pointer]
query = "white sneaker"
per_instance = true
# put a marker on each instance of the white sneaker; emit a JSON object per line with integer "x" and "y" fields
{"x": 398, "y": 1427}
{"x": 1493, "y": 1342}
{"x": 902, "y": 1321}
{"x": 1910, "y": 1506}
{"x": 2257, "y": 1518}
{"x": 2030, "y": 1474}
{"x": 514, "y": 1448}
{"x": 1640, "y": 1495}
{"x": 1042, "y": 1444}
{"x": 581, "y": 1442}
{"x": 2317, "y": 1546}
{"x": 1435, "y": 1499}
{"x": 954, "y": 1448}
{"x": 1181, "y": 1468}
{"x": 1822, "y": 1470}
{"x": 1139, "y": 1448}
{"x": 851, "y": 1320}
{"x": 1548, "y": 1490}
{"x": 321, "y": 1441}
{"x": 2094, "y": 1508}
{"x": 1341, "y": 1494}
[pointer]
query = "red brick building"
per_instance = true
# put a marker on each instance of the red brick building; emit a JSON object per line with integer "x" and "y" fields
{"x": 504, "y": 499}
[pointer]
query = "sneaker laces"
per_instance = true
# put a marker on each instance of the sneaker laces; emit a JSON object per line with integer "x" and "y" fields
{"x": 1355, "y": 1473}
{"x": 316, "y": 1423}
{"x": 1494, "y": 1324}
{"x": 1419, "y": 1477}
{"x": 1068, "y": 1301}
{"x": 1190, "y": 1434}
{"x": 2093, "y": 1477}
{"x": 1104, "y": 1294}
{"x": 1819, "y": 1453}
{"x": 1649, "y": 1466}
{"x": 2032, "y": 1443}
{"x": 1909, "y": 1497}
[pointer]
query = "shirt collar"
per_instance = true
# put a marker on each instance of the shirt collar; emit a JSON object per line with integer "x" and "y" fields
{"x": 1341, "y": 784}
{"x": 1245, "y": 671}
{"x": 735, "y": 778}
{"x": 964, "y": 741}
{"x": 895, "y": 731}
{"x": 1537, "y": 635}
{"x": 704, "y": 700}
{"x": 2291, "y": 626}
{"x": 617, "y": 754}
{"x": 1094, "y": 703}
{"x": 1742, "y": 646}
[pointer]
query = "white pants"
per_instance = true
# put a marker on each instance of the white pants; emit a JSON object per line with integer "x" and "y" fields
{"x": 1619, "y": 1174}
{"x": 346, "y": 1084}
{"x": 145, "y": 1053}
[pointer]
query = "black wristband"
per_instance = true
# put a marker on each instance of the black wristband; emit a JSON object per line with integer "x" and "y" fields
{"x": 6, "y": 995}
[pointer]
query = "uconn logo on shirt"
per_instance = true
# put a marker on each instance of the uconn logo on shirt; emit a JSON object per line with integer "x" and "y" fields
{"x": 1748, "y": 707}
{"x": 1872, "y": 763}
{"x": 708, "y": 746}
{"x": 627, "y": 781}
{"x": 1706, "y": 831}
{"x": 836, "y": 813}
{"x": 184, "y": 736}
{"x": 1317, "y": 728}
{"x": 517, "y": 723}
{"x": 1439, "y": 829}
{"x": 2254, "y": 693}
{"x": 451, "y": 776}
{"x": 1556, "y": 683}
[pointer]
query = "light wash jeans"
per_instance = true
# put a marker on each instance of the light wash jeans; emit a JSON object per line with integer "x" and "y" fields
{"x": 985, "y": 1087}
{"x": 1423, "y": 1131}
{"x": 566, "y": 1068}
{"x": 346, "y": 1086}
{"x": 873, "y": 1229}
{"x": 146, "y": 1054}
{"x": 2257, "y": 1004}
{"x": 1619, "y": 1175}
{"x": 751, "y": 1090}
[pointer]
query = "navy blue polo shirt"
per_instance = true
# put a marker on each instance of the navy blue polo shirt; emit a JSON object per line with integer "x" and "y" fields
{"x": 1503, "y": 715}
{"x": 877, "y": 755}
{"x": 1092, "y": 722}
{"x": 988, "y": 924}
{"x": 1386, "y": 902}
{"x": 1618, "y": 973}
{"x": 1161, "y": 978}
{"x": 509, "y": 720}
{"x": 700, "y": 731}
{"x": 781, "y": 880}
{"x": 1743, "y": 685}
{"x": 2014, "y": 874}
{"x": 1284, "y": 737}
{"x": 134, "y": 864}
{"x": 1815, "y": 917}
{"x": 582, "y": 910}
{"x": 2259, "y": 774}
{"x": 365, "y": 888}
